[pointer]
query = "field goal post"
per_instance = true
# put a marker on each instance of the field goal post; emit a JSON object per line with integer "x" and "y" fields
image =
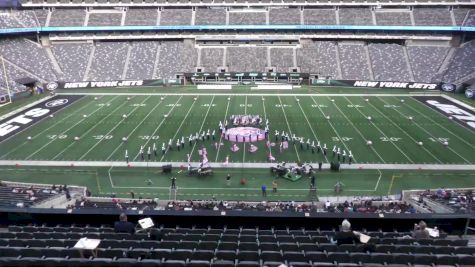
{"x": 5, "y": 99}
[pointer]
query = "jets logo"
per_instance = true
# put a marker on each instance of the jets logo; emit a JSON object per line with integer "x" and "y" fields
{"x": 448, "y": 87}
{"x": 52, "y": 86}
{"x": 56, "y": 102}
{"x": 470, "y": 93}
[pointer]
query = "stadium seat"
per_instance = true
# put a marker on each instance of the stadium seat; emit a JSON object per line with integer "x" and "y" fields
{"x": 202, "y": 255}
{"x": 248, "y": 256}
{"x": 249, "y": 246}
{"x": 223, "y": 263}
{"x": 227, "y": 255}
{"x": 208, "y": 245}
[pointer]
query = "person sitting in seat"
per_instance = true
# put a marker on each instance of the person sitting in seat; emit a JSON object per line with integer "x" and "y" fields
{"x": 123, "y": 226}
{"x": 345, "y": 235}
{"x": 420, "y": 231}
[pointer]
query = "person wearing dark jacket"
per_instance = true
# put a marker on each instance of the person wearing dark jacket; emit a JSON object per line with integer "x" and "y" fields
{"x": 345, "y": 235}
{"x": 123, "y": 226}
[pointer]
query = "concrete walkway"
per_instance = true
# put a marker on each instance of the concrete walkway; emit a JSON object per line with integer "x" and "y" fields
{"x": 141, "y": 164}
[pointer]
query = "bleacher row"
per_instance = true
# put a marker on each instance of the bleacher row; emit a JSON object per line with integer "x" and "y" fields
{"x": 53, "y": 246}
{"x": 435, "y": 16}
{"x": 153, "y": 59}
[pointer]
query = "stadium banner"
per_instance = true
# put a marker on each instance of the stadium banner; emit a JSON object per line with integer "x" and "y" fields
{"x": 246, "y": 75}
{"x": 111, "y": 84}
{"x": 20, "y": 121}
{"x": 450, "y": 109}
{"x": 376, "y": 84}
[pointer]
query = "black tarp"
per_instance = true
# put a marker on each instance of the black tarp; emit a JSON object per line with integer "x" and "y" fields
{"x": 27, "y": 81}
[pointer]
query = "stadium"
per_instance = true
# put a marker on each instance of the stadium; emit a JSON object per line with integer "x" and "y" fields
{"x": 237, "y": 133}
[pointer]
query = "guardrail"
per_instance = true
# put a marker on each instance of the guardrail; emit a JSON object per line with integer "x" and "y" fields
{"x": 237, "y": 27}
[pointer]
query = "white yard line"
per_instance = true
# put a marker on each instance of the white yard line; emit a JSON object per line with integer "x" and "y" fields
{"x": 45, "y": 130}
{"x": 158, "y": 127}
{"x": 435, "y": 138}
{"x": 288, "y": 126}
{"x": 334, "y": 130}
{"x": 65, "y": 131}
{"x": 88, "y": 130}
{"x": 379, "y": 179}
{"x": 136, "y": 127}
{"x": 465, "y": 105}
{"x": 141, "y": 164}
{"x": 202, "y": 124}
{"x": 179, "y": 127}
{"x": 221, "y": 136}
{"x": 375, "y": 126}
{"x": 415, "y": 141}
{"x": 244, "y": 143}
{"x": 358, "y": 131}
{"x": 237, "y": 94}
{"x": 113, "y": 128}
{"x": 441, "y": 126}
{"x": 309, "y": 125}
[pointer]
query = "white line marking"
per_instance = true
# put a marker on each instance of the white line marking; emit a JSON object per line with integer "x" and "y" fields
{"x": 239, "y": 94}
{"x": 372, "y": 123}
{"x": 415, "y": 141}
{"x": 244, "y": 143}
{"x": 379, "y": 179}
{"x": 441, "y": 126}
{"x": 288, "y": 126}
{"x": 113, "y": 128}
{"x": 141, "y": 164}
{"x": 40, "y": 133}
{"x": 65, "y": 131}
{"x": 202, "y": 124}
{"x": 358, "y": 131}
{"x": 309, "y": 125}
{"x": 181, "y": 124}
{"x": 435, "y": 138}
{"x": 136, "y": 127}
{"x": 22, "y": 108}
{"x": 158, "y": 127}
{"x": 221, "y": 136}
{"x": 88, "y": 130}
{"x": 334, "y": 130}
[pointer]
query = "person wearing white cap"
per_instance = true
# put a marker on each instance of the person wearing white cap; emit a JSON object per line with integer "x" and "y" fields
{"x": 345, "y": 235}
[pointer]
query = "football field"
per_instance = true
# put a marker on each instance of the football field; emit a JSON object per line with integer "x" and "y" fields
{"x": 96, "y": 130}
{"x": 101, "y": 122}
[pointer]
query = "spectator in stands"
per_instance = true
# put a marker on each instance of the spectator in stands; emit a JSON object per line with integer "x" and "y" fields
{"x": 420, "y": 231}
{"x": 123, "y": 226}
{"x": 345, "y": 235}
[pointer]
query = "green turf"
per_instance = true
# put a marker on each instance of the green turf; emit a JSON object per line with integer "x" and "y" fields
{"x": 124, "y": 180}
{"x": 394, "y": 136}
{"x": 394, "y": 139}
